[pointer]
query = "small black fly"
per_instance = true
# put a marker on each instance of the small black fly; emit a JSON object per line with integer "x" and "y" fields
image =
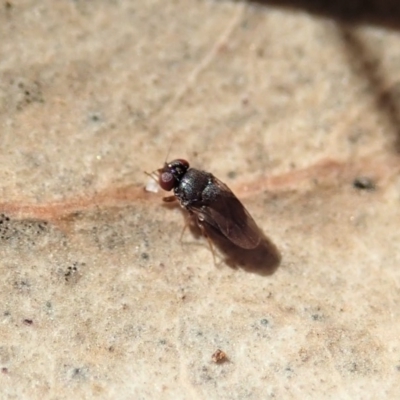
{"x": 210, "y": 202}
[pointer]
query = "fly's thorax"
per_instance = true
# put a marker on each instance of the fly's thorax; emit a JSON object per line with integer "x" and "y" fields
{"x": 191, "y": 187}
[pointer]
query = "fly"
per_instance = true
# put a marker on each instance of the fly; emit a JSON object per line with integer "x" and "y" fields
{"x": 210, "y": 202}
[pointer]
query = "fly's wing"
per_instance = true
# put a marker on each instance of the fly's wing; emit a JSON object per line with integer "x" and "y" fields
{"x": 222, "y": 209}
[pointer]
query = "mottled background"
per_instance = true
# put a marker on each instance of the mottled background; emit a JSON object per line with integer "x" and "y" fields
{"x": 294, "y": 104}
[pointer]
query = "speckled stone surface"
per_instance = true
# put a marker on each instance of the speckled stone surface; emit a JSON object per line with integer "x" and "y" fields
{"x": 297, "y": 111}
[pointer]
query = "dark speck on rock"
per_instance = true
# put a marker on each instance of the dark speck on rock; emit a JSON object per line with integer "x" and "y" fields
{"x": 95, "y": 117}
{"x": 364, "y": 183}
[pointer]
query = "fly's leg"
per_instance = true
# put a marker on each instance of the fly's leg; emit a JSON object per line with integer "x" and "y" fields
{"x": 184, "y": 229}
{"x": 203, "y": 231}
{"x": 169, "y": 199}
{"x": 188, "y": 219}
{"x": 153, "y": 176}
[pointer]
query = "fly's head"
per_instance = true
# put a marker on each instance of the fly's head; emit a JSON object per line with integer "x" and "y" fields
{"x": 172, "y": 173}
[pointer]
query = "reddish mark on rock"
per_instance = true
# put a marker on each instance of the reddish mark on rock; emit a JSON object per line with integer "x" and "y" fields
{"x": 325, "y": 171}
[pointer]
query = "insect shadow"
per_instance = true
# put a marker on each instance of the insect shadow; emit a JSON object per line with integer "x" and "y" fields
{"x": 263, "y": 260}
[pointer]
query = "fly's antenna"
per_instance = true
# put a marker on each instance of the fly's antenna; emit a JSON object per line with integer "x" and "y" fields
{"x": 169, "y": 151}
{"x": 153, "y": 175}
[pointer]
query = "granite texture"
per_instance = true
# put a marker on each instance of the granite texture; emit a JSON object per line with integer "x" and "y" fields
{"x": 295, "y": 107}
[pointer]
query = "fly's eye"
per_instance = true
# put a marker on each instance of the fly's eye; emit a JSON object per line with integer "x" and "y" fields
{"x": 167, "y": 181}
{"x": 183, "y": 163}
{"x": 179, "y": 163}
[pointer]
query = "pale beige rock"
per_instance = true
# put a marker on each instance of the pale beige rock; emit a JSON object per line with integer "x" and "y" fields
{"x": 99, "y": 298}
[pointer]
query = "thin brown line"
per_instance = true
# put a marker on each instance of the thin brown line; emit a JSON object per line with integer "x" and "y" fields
{"x": 325, "y": 172}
